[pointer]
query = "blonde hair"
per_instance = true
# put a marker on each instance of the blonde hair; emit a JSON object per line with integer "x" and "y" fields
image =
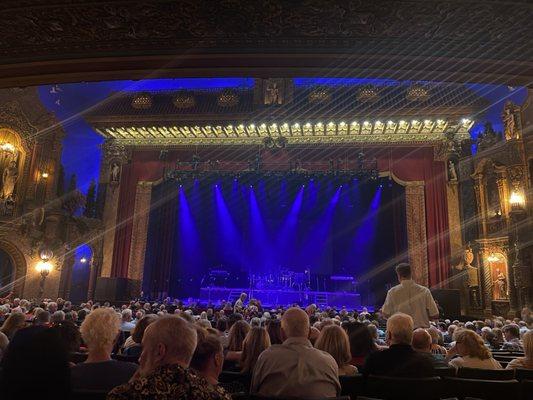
{"x": 400, "y": 328}
{"x": 13, "y": 323}
{"x": 334, "y": 340}
{"x": 473, "y": 343}
{"x": 100, "y": 328}
{"x": 256, "y": 341}
{"x": 527, "y": 339}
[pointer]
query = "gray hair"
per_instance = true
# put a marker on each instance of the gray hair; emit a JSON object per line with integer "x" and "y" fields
{"x": 400, "y": 328}
{"x": 58, "y": 316}
{"x": 178, "y": 336}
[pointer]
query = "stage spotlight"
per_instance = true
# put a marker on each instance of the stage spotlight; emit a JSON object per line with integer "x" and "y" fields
{"x": 381, "y": 186}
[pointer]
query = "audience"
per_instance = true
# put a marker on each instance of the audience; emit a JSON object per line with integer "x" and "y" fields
{"x": 35, "y": 366}
{"x": 361, "y": 343}
{"x": 511, "y": 333}
{"x": 295, "y": 368}
{"x": 256, "y": 341}
{"x": 208, "y": 359}
{"x": 132, "y": 345}
{"x": 472, "y": 352}
{"x": 422, "y": 343}
{"x": 399, "y": 359}
{"x": 12, "y": 324}
{"x": 525, "y": 362}
{"x": 168, "y": 344}
{"x": 274, "y": 348}
{"x": 99, "y": 331}
{"x": 334, "y": 340}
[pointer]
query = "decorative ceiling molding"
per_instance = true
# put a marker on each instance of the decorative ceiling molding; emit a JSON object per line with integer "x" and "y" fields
{"x": 333, "y": 132}
{"x": 73, "y": 40}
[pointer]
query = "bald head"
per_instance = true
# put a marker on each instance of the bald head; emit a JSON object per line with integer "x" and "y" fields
{"x": 421, "y": 340}
{"x": 400, "y": 329}
{"x": 168, "y": 340}
{"x": 295, "y": 323}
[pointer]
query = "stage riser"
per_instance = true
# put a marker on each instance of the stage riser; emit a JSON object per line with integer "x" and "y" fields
{"x": 282, "y": 297}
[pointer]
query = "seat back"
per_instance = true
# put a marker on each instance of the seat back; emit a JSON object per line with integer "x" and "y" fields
{"x": 481, "y": 389}
{"x": 123, "y": 357}
{"x": 234, "y": 382}
{"x": 390, "y": 388}
{"x": 486, "y": 374}
{"x": 526, "y": 387}
{"x": 352, "y": 386}
{"x": 523, "y": 374}
{"x": 88, "y": 395}
{"x": 245, "y": 396}
{"x": 77, "y": 358}
{"x": 442, "y": 372}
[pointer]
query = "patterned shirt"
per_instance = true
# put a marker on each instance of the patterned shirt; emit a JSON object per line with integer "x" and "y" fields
{"x": 169, "y": 382}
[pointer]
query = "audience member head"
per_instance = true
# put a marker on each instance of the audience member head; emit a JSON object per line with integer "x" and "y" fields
{"x": 511, "y": 331}
{"x": 222, "y": 324}
{"x": 127, "y": 315}
{"x": 99, "y": 331}
{"x": 208, "y": 358}
{"x": 58, "y": 316}
{"x": 469, "y": 343}
{"x": 42, "y": 317}
{"x": 140, "y": 327}
{"x": 436, "y": 337}
{"x": 35, "y": 365}
{"x": 237, "y": 333}
{"x": 52, "y": 307}
{"x": 400, "y": 329}
{"x": 170, "y": 340}
{"x": 403, "y": 271}
{"x": 295, "y": 324}
{"x": 256, "y": 341}
{"x": 274, "y": 331}
{"x": 421, "y": 341}
{"x": 69, "y": 334}
{"x": 12, "y": 324}
{"x": 334, "y": 340}
{"x": 360, "y": 338}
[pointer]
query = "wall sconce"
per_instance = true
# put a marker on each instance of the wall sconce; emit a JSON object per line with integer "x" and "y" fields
{"x": 517, "y": 200}
{"x": 83, "y": 260}
{"x": 44, "y": 268}
{"x": 44, "y": 175}
{"x": 7, "y": 147}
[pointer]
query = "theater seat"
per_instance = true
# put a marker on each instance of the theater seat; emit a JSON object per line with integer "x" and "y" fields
{"x": 391, "y": 388}
{"x": 481, "y": 389}
{"x": 88, "y": 395}
{"x": 523, "y": 374}
{"x": 527, "y": 389}
{"x": 442, "y": 372}
{"x": 77, "y": 358}
{"x": 234, "y": 382}
{"x": 122, "y": 357}
{"x": 352, "y": 386}
{"x": 486, "y": 374}
{"x": 243, "y": 396}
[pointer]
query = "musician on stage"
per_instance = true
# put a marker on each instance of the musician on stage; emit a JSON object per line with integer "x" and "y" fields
{"x": 239, "y": 304}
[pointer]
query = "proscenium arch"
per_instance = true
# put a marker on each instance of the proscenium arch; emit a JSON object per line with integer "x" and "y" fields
{"x": 19, "y": 264}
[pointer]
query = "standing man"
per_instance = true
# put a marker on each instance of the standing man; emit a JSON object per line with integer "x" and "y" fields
{"x": 411, "y": 299}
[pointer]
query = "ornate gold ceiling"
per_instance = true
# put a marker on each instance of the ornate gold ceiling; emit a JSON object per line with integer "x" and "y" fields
{"x": 454, "y": 40}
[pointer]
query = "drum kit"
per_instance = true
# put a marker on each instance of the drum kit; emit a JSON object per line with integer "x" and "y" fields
{"x": 286, "y": 279}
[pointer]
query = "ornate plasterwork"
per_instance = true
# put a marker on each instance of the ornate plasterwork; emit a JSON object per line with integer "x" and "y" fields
{"x": 390, "y": 131}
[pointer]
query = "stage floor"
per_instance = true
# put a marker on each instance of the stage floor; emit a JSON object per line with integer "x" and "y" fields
{"x": 281, "y": 297}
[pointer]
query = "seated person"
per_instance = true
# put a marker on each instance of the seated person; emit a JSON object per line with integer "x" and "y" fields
{"x": 334, "y": 340}
{"x": 295, "y": 368}
{"x": 132, "y": 345}
{"x": 400, "y": 359}
{"x": 168, "y": 347}
{"x": 256, "y": 341}
{"x": 422, "y": 343}
{"x": 208, "y": 359}
{"x": 511, "y": 333}
{"x": 361, "y": 343}
{"x": 472, "y": 352}
{"x": 525, "y": 362}
{"x": 99, "y": 372}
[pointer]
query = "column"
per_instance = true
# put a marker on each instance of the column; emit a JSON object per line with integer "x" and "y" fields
{"x": 141, "y": 214}
{"x": 416, "y": 232}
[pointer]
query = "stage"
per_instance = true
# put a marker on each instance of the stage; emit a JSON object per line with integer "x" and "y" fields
{"x": 280, "y": 297}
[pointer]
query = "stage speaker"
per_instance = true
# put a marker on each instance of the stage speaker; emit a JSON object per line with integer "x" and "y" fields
{"x": 449, "y": 300}
{"x": 116, "y": 289}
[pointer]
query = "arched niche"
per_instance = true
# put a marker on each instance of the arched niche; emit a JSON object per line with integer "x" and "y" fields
{"x": 13, "y": 154}
{"x": 17, "y": 263}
